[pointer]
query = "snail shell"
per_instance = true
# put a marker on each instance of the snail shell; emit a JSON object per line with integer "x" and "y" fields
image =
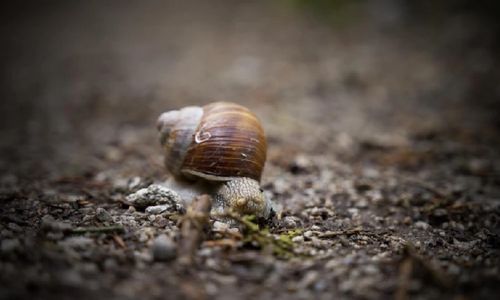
{"x": 217, "y": 142}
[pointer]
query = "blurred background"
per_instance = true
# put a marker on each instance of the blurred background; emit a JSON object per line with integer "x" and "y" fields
{"x": 83, "y": 82}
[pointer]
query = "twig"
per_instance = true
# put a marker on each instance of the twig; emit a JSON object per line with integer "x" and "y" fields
{"x": 405, "y": 271}
{"x": 124, "y": 202}
{"x": 193, "y": 226}
{"x": 108, "y": 229}
{"x": 119, "y": 241}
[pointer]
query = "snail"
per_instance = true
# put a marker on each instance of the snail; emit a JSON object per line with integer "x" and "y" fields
{"x": 221, "y": 147}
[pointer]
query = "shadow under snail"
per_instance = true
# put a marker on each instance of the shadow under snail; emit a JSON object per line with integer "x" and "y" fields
{"x": 219, "y": 149}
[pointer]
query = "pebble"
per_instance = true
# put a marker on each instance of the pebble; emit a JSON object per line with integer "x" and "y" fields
{"x": 300, "y": 164}
{"x": 353, "y": 211}
{"x": 134, "y": 182}
{"x": 371, "y": 173}
{"x": 317, "y": 243}
{"x": 422, "y": 225}
{"x": 220, "y": 226}
{"x": 308, "y": 234}
{"x": 289, "y": 222}
{"x": 375, "y": 196}
{"x": 371, "y": 269}
{"x": 155, "y": 195}
{"x": 143, "y": 257}
{"x": 103, "y": 215}
{"x": 145, "y": 234}
{"x": 298, "y": 239}
{"x": 120, "y": 184}
{"x": 464, "y": 245}
{"x": 440, "y": 212}
{"x": 281, "y": 185}
{"x": 158, "y": 209}
{"x": 418, "y": 245}
{"x": 315, "y": 228}
{"x": 362, "y": 203}
{"x": 333, "y": 264}
{"x": 164, "y": 248}
{"x": 73, "y": 198}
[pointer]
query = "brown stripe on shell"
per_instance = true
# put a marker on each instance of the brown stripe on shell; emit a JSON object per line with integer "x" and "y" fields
{"x": 231, "y": 143}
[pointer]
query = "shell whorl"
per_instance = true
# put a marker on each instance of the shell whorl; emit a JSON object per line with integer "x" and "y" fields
{"x": 227, "y": 142}
{"x": 177, "y": 129}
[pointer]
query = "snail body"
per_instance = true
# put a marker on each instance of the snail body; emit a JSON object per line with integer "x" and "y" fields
{"x": 221, "y": 146}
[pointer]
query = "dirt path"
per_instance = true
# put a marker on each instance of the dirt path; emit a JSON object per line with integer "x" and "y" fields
{"x": 383, "y": 150}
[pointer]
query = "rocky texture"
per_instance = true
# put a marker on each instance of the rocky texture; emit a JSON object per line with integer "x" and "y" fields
{"x": 383, "y": 150}
{"x": 155, "y": 197}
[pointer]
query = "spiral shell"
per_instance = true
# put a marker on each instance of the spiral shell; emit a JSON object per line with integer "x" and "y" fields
{"x": 217, "y": 142}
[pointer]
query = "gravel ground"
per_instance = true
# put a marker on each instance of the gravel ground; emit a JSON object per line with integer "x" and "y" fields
{"x": 383, "y": 149}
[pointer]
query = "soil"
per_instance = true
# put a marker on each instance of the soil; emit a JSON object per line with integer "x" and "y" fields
{"x": 383, "y": 133}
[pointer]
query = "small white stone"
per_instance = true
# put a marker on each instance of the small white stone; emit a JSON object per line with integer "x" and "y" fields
{"x": 422, "y": 225}
{"x": 134, "y": 182}
{"x": 371, "y": 270}
{"x": 220, "y": 226}
{"x": 281, "y": 185}
{"x": 308, "y": 234}
{"x": 164, "y": 248}
{"x": 362, "y": 203}
{"x": 157, "y": 209}
{"x": 289, "y": 222}
{"x": 155, "y": 195}
{"x": 103, "y": 215}
{"x": 353, "y": 211}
